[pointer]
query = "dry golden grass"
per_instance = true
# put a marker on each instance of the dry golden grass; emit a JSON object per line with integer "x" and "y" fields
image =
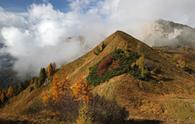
{"x": 143, "y": 99}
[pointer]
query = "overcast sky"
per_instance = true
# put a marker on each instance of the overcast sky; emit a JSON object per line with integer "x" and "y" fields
{"x": 38, "y": 31}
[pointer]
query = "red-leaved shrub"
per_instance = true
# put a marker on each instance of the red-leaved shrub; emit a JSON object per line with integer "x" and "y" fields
{"x": 103, "y": 65}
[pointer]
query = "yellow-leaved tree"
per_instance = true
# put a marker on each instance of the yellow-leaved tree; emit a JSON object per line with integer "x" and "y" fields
{"x": 51, "y": 69}
{"x": 80, "y": 90}
{"x": 57, "y": 89}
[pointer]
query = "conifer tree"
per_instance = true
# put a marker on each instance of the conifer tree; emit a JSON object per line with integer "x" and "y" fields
{"x": 42, "y": 77}
{"x": 51, "y": 69}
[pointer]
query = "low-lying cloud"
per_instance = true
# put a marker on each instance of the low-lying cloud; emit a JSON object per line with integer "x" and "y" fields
{"x": 43, "y": 34}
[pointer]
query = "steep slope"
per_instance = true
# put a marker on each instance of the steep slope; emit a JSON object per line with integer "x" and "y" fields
{"x": 167, "y": 33}
{"x": 158, "y": 97}
{"x": 124, "y": 41}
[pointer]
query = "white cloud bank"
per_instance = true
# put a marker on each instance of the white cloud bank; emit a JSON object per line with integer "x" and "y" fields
{"x": 43, "y": 34}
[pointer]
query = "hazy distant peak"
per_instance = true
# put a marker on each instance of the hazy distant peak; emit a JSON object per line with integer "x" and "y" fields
{"x": 171, "y": 24}
{"x": 168, "y": 33}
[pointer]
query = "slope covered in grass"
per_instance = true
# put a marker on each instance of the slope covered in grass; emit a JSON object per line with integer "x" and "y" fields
{"x": 108, "y": 71}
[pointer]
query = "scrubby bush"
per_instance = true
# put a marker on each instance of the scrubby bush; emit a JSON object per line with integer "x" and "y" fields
{"x": 139, "y": 70}
{"x": 80, "y": 90}
{"x": 97, "y": 52}
{"x": 34, "y": 108}
{"x": 107, "y": 112}
{"x": 58, "y": 87}
{"x": 127, "y": 62}
{"x": 85, "y": 116}
{"x": 101, "y": 111}
{"x": 189, "y": 70}
{"x": 99, "y": 48}
{"x": 104, "y": 64}
{"x": 42, "y": 78}
{"x": 157, "y": 70}
{"x": 123, "y": 59}
{"x": 180, "y": 61}
{"x": 103, "y": 45}
{"x": 144, "y": 75}
{"x": 42, "y": 75}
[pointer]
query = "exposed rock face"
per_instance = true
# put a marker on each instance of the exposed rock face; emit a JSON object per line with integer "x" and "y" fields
{"x": 167, "y": 33}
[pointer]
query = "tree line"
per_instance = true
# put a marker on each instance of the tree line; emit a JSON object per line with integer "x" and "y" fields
{"x": 45, "y": 75}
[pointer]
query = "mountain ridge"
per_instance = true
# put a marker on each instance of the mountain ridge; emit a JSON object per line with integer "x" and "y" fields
{"x": 141, "y": 97}
{"x": 168, "y": 33}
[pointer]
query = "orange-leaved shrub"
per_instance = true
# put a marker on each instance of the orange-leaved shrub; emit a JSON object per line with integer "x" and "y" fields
{"x": 57, "y": 89}
{"x": 58, "y": 98}
{"x": 80, "y": 90}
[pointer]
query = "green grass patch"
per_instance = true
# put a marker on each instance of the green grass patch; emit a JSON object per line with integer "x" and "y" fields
{"x": 124, "y": 59}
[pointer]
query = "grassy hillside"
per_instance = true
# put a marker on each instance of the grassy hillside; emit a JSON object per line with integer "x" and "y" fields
{"x": 148, "y": 86}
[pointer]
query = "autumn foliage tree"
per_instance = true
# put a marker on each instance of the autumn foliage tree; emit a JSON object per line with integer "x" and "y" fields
{"x": 58, "y": 98}
{"x": 51, "y": 69}
{"x": 58, "y": 87}
{"x": 57, "y": 90}
{"x": 10, "y": 92}
{"x": 42, "y": 77}
{"x": 80, "y": 90}
{"x": 45, "y": 96}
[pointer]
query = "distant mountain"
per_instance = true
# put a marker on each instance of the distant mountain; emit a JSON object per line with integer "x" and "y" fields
{"x": 167, "y": 33}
